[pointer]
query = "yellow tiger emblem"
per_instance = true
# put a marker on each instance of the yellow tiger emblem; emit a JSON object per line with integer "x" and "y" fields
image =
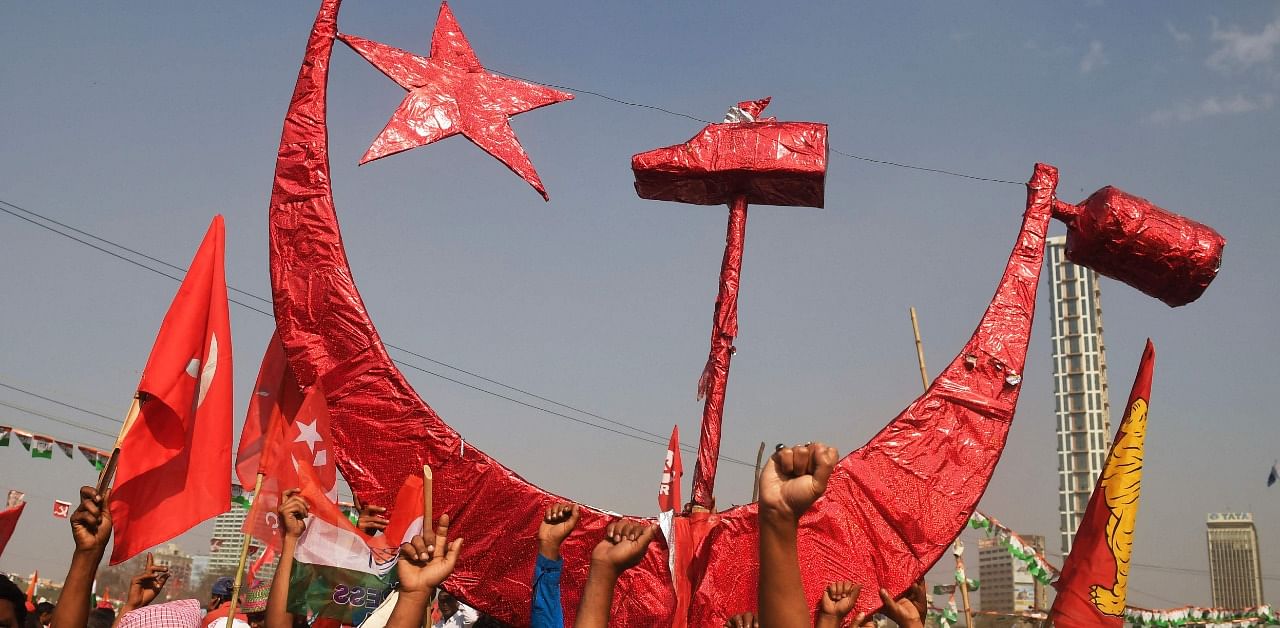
{"x": 1121, "y": 482}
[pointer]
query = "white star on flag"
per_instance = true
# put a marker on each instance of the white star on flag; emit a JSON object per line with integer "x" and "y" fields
{"x": 308, "y": 434}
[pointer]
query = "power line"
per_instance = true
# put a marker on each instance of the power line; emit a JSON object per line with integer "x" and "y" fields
{"x": 882, "y": 162}
{"x": 656, "y": 438}
{"x": 55, "y": 419}
{"x": 61, "y": 403}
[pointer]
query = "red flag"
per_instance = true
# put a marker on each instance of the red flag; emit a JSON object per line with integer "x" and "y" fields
{"x": 669, "y": 490}
{"x": 283, "y": 431}
{"x": 175, "y": 461}
{"x": 61, "y": 509}
{"x": 1095, "y": 578}
{"x": 9, "y": 521}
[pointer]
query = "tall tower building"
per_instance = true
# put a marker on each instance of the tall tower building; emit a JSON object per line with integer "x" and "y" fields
{"x": 1007, "y": 583}
{"x": 1079, "y": 385}
{"x": 224, "y": 546}
{"x": 1235, "y": 568}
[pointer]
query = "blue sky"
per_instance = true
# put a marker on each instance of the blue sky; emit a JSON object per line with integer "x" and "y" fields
{"x": 139, "y": 122}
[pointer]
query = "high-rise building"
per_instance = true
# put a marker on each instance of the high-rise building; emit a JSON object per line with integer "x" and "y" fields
{"x": 178, "y": 562}
{"x": 1079, "y": 385}
{"x": 1235, "y": 568}
{"x": 224, "y": 546}
{"x": 1007, "y": 585}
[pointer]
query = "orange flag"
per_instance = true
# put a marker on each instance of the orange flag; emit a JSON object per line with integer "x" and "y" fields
{"x": 1095, "y": 578}
{"x": 175, "y": 461}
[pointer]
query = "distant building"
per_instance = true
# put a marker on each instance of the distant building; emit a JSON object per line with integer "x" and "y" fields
{"x": 1079, "y": 385}
{"x": 1006, "y": 585}
{"x": 1235, "y": 567}
{"x": 178, "y": 562}
{"x": 224, "y": 546}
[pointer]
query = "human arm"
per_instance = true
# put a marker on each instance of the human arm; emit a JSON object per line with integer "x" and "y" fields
{"x": 792, "y": 480}
{"x": 742, "y": 620}
{"x": 910, "y": 609}
{"x": 623, "y": 546}
{"x": 557, "y": 523}
{"x": 293, "y": 511}
{"x": 837, "y": 600}
{"x": 144, "y": 587}
{"x": 422, "y": 567}
{"x": 90, "y": 529}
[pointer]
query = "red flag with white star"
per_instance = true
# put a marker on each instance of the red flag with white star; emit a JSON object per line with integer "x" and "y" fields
{"x": 451, "y": 93}
{"x": 283, "y": 431}
{"x": 175, "y": 459}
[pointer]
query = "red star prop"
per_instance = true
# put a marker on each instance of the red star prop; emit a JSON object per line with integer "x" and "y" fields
{"x": 451, "y": 93}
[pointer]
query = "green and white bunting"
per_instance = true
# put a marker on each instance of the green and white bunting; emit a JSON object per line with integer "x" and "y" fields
{"x": 5, "y": 431}
{"x": 24, "y": 438}
{"x": 42, "y": 448}
{"x": 1198, "y": 616}
{"x": 1040, "y": 569}
{"x": 96, "y": 457}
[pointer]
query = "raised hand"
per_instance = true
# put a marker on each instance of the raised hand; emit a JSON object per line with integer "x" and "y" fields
{"x": 837, "y": 600}
{"x": 293, "y": 511}
{"x": 424, "y": 565}
{"x": 145, "y": 586}
{"x": 91, "y": 522}
{"x": 742, "y": 620}
{"x": 371, "y": 520}
{"x": 794, "y": 478}
{"x": 623, "y": 546}
{"x": 909, "y": 610}
{"x": 557, "y": 522}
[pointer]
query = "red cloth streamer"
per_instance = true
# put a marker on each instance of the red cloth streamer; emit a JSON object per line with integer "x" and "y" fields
{"x": 1095, "y": 577}
{"x": 672, "y": 471}
{"x": 174, "y": 462}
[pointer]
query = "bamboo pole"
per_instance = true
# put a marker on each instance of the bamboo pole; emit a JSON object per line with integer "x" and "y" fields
{"x": 108, "y": 474}
{"x": 428, "y": 527}
{"x": 962, "y": 581}
{"x": 244, "y": 556}
{"x": 755, "y": 488}
{"x": 915, "y": 327}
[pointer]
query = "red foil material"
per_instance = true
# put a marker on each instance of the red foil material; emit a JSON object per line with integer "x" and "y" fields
{"x": 451, "y": 93}
{"x": 1129, "y": 238}
{"x": 768, "y": 162}
{"x": 891, "y": 509}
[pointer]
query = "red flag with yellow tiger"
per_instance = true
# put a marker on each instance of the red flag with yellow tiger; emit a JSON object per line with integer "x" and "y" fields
{"x": 1095, "y": 578}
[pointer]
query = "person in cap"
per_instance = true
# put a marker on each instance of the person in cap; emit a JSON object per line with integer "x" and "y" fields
{"x": 220, "y": 603}
{"x": 255, "y": 604}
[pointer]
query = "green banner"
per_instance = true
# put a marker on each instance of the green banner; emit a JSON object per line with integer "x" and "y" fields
{"x": 342, "y": 594}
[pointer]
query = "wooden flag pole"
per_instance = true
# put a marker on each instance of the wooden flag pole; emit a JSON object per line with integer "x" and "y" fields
{"x": 962, "y": 581}
{"x": 915, "y": 327}
{"x": 755, "y": 488}
{"x": 108, "y": 474}
{"x": 428, "y": 527}
{"x": 244, "y": 557}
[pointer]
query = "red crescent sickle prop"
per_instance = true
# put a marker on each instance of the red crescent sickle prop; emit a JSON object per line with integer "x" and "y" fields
{"x": 892, "y": 506}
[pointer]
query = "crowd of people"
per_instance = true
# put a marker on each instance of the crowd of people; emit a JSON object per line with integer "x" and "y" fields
{"x": 792, "y": 480}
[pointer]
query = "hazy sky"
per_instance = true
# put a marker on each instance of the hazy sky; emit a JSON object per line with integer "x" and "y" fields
{"x": 139, "y": 121}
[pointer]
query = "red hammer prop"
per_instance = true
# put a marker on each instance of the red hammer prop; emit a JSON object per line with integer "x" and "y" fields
{"x": 744, "y": 160}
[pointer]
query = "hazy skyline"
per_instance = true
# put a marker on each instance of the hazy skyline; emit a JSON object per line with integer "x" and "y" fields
{"x": 139, "y": 122}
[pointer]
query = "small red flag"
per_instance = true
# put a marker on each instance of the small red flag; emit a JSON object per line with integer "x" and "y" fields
{"x": 284, "y": 431}
{"x": 9, "y": 521}
{"x": 1095, "y": 578}
{"x": 669, "y": 490}
{"x": 61, "y": 509}
{"x": 175, "y": 461}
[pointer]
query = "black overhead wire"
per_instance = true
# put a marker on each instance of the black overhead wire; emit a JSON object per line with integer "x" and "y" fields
{"x": 882, "y": 162}
{"x": 643, "y": 435}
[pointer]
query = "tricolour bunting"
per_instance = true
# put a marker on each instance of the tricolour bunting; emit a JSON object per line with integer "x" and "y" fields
{"x": 175, "y": 459}
{"x": 1095, "y": 578}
